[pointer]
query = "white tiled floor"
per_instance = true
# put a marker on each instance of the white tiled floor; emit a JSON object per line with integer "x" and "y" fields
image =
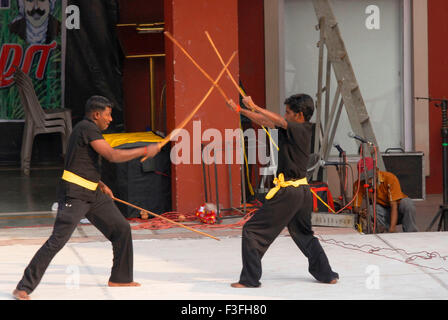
{"x": 204, "y": 268}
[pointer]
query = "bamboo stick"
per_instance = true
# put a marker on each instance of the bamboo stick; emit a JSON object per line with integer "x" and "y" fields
{"x": 196, "y": 64}
{"x": 162, "y": 217}
{"x": 183, "y": 124}
{"x": 236, "y": 84}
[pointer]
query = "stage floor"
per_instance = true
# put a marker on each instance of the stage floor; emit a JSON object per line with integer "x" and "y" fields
{"x": 178, "y": 264}
{"x": 202, "y": 269}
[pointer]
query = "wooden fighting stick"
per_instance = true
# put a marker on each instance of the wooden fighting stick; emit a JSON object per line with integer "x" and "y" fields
{"x": 241, "y": 91}
{"x": 166, "y": 219}
{"x": 169, "y": 36}
{"x": 188, "y": 118}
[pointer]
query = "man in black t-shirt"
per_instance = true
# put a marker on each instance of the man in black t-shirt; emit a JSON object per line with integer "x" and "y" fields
{"x": 290, "y": 202}
{"x": 82, "y": 194}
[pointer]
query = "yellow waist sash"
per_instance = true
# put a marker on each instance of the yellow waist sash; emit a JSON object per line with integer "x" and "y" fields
{"x": 281, "y": 183}
{"x": 73, "y": 178}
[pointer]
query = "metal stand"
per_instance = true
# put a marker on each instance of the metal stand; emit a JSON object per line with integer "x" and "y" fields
{"x": 208, "y": 188}
{"x": 243, "y": 209}
{"x": 443, "y": 209}
{"x": 366, "y": 187}
{"x": 342, "y": 174}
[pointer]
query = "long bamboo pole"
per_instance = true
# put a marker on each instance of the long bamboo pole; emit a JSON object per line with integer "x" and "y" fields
{"x": 236, "y": 84}
{"x": 196, "y": 64}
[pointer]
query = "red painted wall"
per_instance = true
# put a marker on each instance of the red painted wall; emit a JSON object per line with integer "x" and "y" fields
{"x": 251, "y": 48}
{"x": 137, "y": 97}
{"x": 438, "y": 86}
{"x": 188, "y": 20}
{"x": 141, "y": 11}
{"x": 136, "y": 72}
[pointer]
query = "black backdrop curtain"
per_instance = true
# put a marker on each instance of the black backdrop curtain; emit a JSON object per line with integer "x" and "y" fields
{"x": 94, "y": 59}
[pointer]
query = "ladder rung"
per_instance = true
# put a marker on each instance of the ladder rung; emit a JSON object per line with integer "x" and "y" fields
{"x": 364, "y": 120}
{"x": 339, "y": 56}
{"x": 354, "y": 88}
{"x": 334, "y": 61}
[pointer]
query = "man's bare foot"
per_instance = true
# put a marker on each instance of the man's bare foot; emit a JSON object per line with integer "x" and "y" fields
{"x": 334, "y": 281}
{"x": 238, "y": 285}
{"x": 20, "y": 295}
{"x": 127, "y": 284}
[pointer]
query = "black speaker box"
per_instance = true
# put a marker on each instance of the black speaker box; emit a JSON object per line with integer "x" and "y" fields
{"x": 410, "y": 171}
{"x": 147, "y": 184}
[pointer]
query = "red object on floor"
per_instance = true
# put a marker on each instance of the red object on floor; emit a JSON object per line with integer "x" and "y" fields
{"x": 206, "y": 216}
{"x": 322, "y": 190}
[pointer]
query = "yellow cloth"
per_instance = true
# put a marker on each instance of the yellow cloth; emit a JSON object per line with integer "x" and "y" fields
{"x": 117, "y": 139}
{"x": 281, "y": 183}
{"x": 74, "y": 178}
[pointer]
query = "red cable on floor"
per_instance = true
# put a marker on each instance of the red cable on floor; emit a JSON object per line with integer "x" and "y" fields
{"x": 160, "y": 224}
{"x": 425, "y": 255}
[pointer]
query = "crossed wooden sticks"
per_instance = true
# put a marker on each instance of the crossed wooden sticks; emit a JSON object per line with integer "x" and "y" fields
{"x": 214, "y": 85}
{"x": 199, "y": 105}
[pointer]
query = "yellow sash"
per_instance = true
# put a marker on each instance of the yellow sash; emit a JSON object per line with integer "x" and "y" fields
{"x": 73, "y": 178}
{"x": 281, "y": 183}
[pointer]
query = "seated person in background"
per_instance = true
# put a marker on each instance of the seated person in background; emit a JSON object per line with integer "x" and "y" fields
{"x": 393, "y": 207}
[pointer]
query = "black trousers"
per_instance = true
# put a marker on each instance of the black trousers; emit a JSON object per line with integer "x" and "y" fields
{"x": 106, "y": 217}
{"x": 290, "y": 207}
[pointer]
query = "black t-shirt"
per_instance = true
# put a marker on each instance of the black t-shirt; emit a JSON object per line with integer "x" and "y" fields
{"x": 294, "y": 145}
{"x": 82, "y": 159}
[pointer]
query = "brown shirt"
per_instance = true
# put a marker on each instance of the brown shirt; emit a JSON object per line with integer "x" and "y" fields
{"x": 387, "y": 190}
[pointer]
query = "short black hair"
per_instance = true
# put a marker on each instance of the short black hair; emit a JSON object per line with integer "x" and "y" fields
{"x": 97, "y": 103}
{"x": 301, "y": 103}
